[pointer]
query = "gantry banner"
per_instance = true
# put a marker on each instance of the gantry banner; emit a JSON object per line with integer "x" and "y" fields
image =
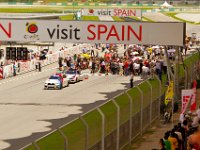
{"x": 165, "y": 33}
{"x": 120, "y": 12}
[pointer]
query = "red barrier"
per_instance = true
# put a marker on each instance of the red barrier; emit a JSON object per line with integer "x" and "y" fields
{"x": 1, "y": 72}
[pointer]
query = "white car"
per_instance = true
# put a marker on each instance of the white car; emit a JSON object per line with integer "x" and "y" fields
{"x": 73, "y": 75}
{"x": 57, "y": 81}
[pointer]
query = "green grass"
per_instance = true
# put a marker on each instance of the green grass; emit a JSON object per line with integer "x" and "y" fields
{"x": 181, "y": 71}
{"x": 123, "y": 102}
{"x": 90, "y": 18}
{"x": 191, "y": 59}
{"x": 94, "y": 122}
{"x": 147, "y": 19}
{"x": 173, "y": 15}
{"x": 135, "y": 18}
{"x": 134, "y": 93}
{"x": 67, "y": 17}
{"x": 75, "y": 133}
{"x": 164, "y": 80}
{"x": 110, "y": 112}
{"x": 146, "y": 93}
{"x": 155, "y": 86}
{"x": 52, "y": 141}
{"x": 86, "y": 18}
{"x": 31, "y": 147}
{"x": 118, "y": 19}
{"x": 32, "y": 10}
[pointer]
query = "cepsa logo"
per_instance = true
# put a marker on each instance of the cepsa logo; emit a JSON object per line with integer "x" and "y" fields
{"x": 31, "y": 29}
{"x": 91, "y": 11}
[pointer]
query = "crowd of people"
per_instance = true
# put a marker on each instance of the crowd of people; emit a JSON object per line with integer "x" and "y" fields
{"x": 185, "y": 135}
{"x": 137, "y": 60}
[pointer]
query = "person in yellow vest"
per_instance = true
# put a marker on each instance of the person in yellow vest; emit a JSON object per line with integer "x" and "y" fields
{"x": 173, "y": 140}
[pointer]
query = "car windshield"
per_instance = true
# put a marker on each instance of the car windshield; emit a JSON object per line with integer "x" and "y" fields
{"x": 54, "y": 77}
{"x": 71, "y": 72}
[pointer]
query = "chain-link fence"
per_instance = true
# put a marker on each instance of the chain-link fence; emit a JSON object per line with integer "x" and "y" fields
{"x": 191, "y": 69}
{"x": 116, "y": 123}
{"x": 111, "y": 125}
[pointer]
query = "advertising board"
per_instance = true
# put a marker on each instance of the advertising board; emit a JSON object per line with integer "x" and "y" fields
{"x": 165, "y": 33}
{"x": 120, "y": 12}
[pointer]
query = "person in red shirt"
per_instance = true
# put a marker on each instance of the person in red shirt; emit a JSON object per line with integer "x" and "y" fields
{"x": 126, "y": 64}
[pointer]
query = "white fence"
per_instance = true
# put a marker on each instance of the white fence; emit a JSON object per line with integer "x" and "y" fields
{"x": 51, "y": 58}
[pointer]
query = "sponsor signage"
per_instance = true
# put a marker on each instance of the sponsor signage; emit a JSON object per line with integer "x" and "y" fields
{"x": 120, "y": 12}
{"x": 186, "y": 98}
{"x": 93, "y": 32}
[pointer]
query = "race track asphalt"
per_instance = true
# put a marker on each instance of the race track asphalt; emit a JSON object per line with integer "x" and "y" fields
{"x": 29, "y": 112}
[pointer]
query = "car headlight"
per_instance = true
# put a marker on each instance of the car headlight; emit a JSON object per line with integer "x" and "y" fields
{"x": 57, "y": 84}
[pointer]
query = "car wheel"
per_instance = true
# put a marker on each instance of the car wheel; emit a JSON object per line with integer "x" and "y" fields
{"x": 60, "y": 87}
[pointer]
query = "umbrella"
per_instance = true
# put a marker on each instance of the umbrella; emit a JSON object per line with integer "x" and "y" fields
{"x": 85, "y": 56}
{"x": 171, "y": 50}
{"x": 155, "y": 47}
{"x": 134, "y": 53}
{"x": 136, "y": 58}
{"x": 150, "y": 50}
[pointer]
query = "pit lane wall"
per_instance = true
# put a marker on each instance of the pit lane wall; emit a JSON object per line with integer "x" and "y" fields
{"x": 28, "y": 66}
{"x": 117, "y": 122}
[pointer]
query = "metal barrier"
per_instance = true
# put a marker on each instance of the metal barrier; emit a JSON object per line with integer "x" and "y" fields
{"x": 125, "y": 125}
{"x": 128, "y": 116}
{"x": 51, "y": 58}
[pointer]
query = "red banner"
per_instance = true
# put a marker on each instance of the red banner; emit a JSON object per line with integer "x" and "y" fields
{"x": 193, "y": 98}
{"x": 186, "y": 97}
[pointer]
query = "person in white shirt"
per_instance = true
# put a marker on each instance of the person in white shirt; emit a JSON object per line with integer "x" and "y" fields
{"x": 159, "y": 69}
{"x": 198, "y": 112}
{"x": 195, "y": 121}
{"x": 181, "y": 118}
{"x": 136, "y": 67}
{"x": 145, "y": 71}
{"x": 145, "y": 54}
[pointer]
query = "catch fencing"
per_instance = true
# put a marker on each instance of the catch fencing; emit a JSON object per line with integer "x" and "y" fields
{"x": 190, "y": 70}
{"x": 111, "y": 125}
{"x": 117, "y": 122}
